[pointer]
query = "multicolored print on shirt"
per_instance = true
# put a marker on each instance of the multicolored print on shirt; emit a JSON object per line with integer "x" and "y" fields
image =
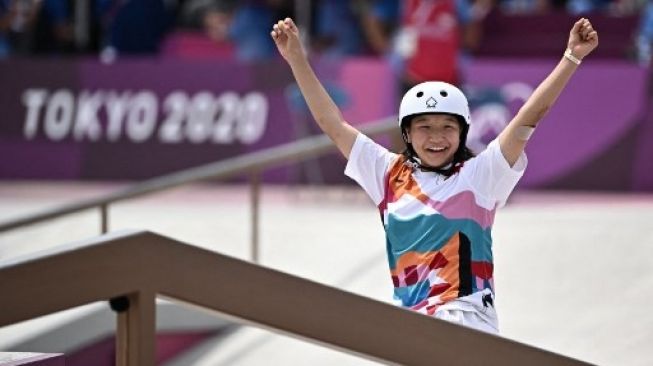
{"x": 438, "y": 229}
{"x": 438, "y": 257}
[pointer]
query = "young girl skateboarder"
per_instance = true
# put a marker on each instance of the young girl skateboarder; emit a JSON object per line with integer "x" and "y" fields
{"x": 437, "y": 200}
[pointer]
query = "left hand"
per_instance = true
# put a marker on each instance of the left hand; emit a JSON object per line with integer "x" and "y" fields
{"x": 286, "y": 37}
{"x": 583, "y": 39}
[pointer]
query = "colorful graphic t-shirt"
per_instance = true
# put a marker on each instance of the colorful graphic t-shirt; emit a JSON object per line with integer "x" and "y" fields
{"x": 438, "y": 229}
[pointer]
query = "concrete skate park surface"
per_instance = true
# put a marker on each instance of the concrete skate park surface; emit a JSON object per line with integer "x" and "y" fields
{"x": 573, "y": 270}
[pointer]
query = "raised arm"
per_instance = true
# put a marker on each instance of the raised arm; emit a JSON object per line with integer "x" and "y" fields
{"x": 324, "y": 110}
{"x": 583, "y": 39}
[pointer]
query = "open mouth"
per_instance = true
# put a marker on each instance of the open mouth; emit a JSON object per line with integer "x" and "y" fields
{"x": 436, "y": 149}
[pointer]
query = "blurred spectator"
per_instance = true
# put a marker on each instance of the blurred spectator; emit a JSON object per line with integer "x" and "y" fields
{"x": 250, "y": 28}
{"x": 579, "y": 7}
{"x": 53, "y": 28}
{"x": 139, "y": 26}
{"x": 212, "y": 17}
{"x": 18, "y": 19}
{"x": 627, "y": 7}
{"x": 217, "y": 20}
{"x": 430, "y": 36}
{"x": 416, "y": 30}
{"x": 219, "y": 28}
{"x": 380, "y": 20}
{"x": 644, "y": 39}
{"x": 523, "y": 7}
{"x": 4, "y": 28}
{"x": 37, "y": 27}
{"x": 100, "y": 21}
{"x": 203, "y": 32}
{"x": 337, "y": 28}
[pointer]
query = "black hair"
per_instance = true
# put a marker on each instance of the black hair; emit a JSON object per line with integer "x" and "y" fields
{"x": 460, "y": 156}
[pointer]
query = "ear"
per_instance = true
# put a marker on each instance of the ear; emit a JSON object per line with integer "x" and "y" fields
{"x": 406, "y": 134}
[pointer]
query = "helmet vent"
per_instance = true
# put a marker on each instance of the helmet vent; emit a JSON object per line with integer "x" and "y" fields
{"x": 443, "y": 93}
{"x": 420, "y": 94}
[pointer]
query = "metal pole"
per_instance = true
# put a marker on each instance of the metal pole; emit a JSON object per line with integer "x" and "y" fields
{"x": 104, "y": 218}
{"x": 82, "y": 13}
{"x": 255, "y": 191}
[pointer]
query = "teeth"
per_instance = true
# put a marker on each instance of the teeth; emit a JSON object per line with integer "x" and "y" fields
{"x": 436, "y": 149}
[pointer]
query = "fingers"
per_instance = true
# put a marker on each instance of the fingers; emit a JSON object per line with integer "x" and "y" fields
{"x": 283, "y": 27}
{"x": 277, "y": 30}
{"x": 584, "y": 28}
{"x": 593, "y": 36}
{"x": 290, "y": 23}
{"x": 576, "y": 28}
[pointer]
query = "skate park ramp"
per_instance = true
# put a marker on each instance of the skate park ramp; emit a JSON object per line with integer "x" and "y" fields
{"x": 572, "y": 270}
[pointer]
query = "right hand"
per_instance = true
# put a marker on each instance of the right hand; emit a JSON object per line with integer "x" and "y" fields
{"x": 286, "y": 37}
{"x": 583, "y": 39}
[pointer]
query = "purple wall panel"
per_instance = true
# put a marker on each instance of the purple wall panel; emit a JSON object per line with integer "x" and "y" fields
{"x": 600, "y": 105}
{"x": 140, "y": 118}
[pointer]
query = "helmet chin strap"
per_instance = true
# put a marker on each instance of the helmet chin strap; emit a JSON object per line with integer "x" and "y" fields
{"x": 417, "y": 164}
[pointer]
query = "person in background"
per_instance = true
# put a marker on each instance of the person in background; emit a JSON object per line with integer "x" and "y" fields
{"x": 525, "y": 7}
{"x": 338, "y": 30}
{"x": 644, "y": 37}
{"x": 579, "y": 7}
{"x": 430, "y": 40}
{"x": 139, "y": 26}
{"x": 4, "y": 28}
{"x": 216, "y": 20}
{"x": 53, "y": 29}
{"x": 17, "y": 21}
{"x": 249, "y": 28}
{"x": 203, "y": 30}
{"x": 380, "y": 20}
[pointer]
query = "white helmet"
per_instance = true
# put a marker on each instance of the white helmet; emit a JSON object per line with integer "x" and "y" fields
{"x": 434, "y": 97}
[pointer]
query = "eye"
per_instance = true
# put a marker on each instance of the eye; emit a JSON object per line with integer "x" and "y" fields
{"x": 443, "y": 93}
{"x": 420, "y": 94}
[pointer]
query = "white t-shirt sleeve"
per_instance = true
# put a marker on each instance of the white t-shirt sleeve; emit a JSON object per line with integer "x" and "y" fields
{"x": 367, "y": 165}
{"x": 491, "y": 175}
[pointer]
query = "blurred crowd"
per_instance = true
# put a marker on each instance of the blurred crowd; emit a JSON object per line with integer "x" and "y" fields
{"x": 240, "y": 29}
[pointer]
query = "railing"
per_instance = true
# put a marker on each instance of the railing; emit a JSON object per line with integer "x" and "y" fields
{"x": 132, "y": 267}
{"x": 251, "y": 164}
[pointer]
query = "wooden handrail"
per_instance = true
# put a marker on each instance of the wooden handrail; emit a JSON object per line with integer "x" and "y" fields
{"x": 306, "y": 148}
{"x": 139, "y": 265}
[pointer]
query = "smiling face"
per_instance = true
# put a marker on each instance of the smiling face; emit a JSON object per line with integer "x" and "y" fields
{"x": 435, "y": 138}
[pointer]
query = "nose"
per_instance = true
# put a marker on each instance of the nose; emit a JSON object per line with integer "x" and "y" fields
{"x": 436, "y": 135}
